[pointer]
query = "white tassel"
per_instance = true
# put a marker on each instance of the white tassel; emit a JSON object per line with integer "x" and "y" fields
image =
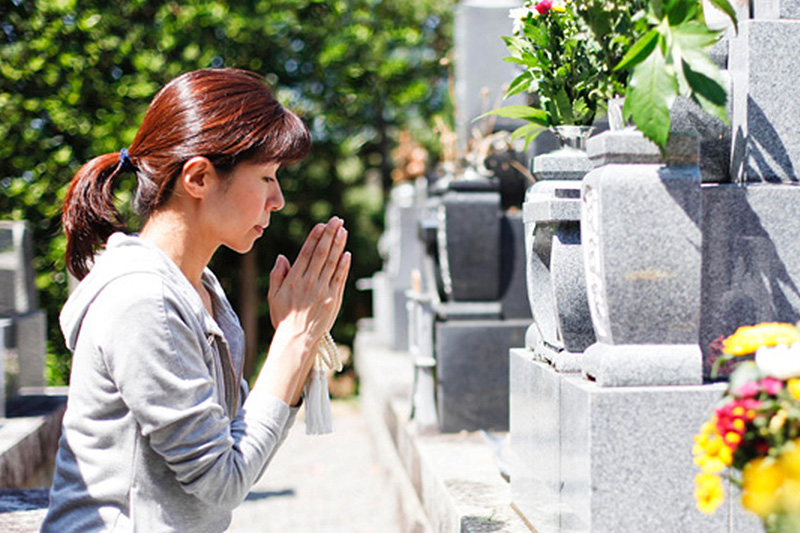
{"x": 319, "y": 420}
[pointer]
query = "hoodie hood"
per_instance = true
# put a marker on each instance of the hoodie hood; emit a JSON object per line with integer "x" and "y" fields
{"x": 126, "y": 255}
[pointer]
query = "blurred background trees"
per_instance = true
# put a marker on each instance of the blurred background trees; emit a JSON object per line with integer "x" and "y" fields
{"x": 77, "y": 76}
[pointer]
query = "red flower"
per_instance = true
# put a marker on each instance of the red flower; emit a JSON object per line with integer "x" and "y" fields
{"x": 732, "y": 420}
{"x": 544, "y": 6}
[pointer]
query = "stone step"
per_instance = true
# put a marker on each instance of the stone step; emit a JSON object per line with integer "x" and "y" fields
{"x": 455, "y": 475}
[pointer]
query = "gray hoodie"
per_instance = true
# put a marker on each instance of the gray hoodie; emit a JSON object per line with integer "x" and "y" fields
{"x": 160, "y": 433}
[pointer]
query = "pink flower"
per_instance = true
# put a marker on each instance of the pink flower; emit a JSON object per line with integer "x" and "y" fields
{"x": 771, "y": 385}
{"x": 748, "y": 389}
{"x": 544, "y": 6}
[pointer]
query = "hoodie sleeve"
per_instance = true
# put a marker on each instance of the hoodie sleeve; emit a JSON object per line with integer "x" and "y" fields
{"x": 160, "y": 363}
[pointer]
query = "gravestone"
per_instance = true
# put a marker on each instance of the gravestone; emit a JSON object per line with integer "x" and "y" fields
{"x": 22, "y": 324}
{"x": 764, "y": 68}
{"x": 401, "y": 251}
{"x": 663, "y": 279}
{"x": 471, "y": 306}
{"x": 481, "y": 75}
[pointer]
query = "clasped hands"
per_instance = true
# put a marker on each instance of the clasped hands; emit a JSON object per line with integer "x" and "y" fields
{"x": 304, "y": 300}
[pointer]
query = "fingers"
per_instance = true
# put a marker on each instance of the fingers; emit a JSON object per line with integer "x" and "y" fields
{"x": 322, "y": 252}
{"x": 307, "y": 251}
{"x": 278, "y": 274}
{"x": 331, "y": 263}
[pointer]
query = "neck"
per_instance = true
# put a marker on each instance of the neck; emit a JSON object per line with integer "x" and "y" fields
{"x": 172, "y": 233}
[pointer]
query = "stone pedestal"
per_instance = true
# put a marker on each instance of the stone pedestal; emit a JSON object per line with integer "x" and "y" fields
{"x": 642, "y": 243}
{"x": 472, "y": 372}
{"x": 591, "y": 459}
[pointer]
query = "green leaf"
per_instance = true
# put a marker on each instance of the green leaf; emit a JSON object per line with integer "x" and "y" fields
{"x": 517, "y": 46}
{"x": 727, "y": 8}
{"x": 520, "y": 84}
{"x": 708, "y": 93}
{"x": 521, "y": 112}
{"x": 649, "y": 97}
{"x": 563, "y": 107}
{"x": 639, "y": 51}
{"x": 681, "y": 11}
{"x": 529, "y": 132}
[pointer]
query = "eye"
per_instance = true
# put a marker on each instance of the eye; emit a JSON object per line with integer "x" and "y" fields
{"x": 269, "y": 179}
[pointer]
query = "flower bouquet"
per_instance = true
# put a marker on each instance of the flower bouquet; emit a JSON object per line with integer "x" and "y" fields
{"x": 577, "y": 54}
{"x": 753, "y": 436}
{"x": 559, "y": 64}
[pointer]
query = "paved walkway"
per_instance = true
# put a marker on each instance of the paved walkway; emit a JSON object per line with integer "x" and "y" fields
{"x": 323, "y": 484}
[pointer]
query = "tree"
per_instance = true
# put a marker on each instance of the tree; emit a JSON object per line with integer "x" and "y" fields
{"x": 77, "y": 77}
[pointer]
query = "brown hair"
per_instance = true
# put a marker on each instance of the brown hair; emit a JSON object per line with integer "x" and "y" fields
{"x": 226, "y": 115}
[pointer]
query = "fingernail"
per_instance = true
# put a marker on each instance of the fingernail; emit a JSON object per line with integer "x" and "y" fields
{"x": 340, "y": 234}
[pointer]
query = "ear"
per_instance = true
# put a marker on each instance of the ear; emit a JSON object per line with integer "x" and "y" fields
{"x": 197, "y": 175}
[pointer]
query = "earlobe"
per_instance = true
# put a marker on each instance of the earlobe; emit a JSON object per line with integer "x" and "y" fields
{"x": 196, "y": 175}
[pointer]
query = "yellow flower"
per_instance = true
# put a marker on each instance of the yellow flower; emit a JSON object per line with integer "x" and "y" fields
{"x": 793, "y": 385}
{"x": 748, "y": 339}
{"x": 762, "y": 479}
{"x": 711, "y": 453}
{"x": 790, "y": 460}
{"x": 708, "y": 492}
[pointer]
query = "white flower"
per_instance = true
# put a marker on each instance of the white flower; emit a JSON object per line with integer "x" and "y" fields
{"x": 781, "y": 361}
{"x": 518, "y": 15}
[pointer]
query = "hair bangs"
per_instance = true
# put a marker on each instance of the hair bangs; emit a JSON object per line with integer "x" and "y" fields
{"x": 287, "y": 141}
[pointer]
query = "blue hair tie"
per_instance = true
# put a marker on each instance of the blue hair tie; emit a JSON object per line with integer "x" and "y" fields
{"x": 126, "y": 165}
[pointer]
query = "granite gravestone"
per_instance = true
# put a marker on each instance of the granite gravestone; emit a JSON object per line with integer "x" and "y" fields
{"x": 472, "y": 307}
{"x": 22, "y": 325}
{"x": 481, "y": 75}
{"x": 402, "y": 254}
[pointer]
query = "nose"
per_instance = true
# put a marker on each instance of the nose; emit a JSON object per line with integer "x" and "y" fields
{"x": 275, "y": 201}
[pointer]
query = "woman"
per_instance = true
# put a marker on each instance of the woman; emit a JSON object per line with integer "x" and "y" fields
{"x": 161, "y": 433}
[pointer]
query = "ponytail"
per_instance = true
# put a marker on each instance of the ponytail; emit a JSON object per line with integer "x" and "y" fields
{"x": 90, "y": 216}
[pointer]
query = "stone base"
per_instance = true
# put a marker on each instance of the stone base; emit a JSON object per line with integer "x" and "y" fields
{"x": 609, "y": 459}
{"x": 643, "y": 364}
{"x": 472, "y": 372}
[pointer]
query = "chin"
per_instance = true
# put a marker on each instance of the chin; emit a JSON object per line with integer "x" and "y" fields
{"x": 241, "y": 247}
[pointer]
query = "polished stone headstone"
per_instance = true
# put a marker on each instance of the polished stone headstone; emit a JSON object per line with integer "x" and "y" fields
{"x": 776, "y": 9}
{"x": 469, "y": 244}
{"x": 764, "y": 68}
{"x": 481, "y": 75}
{"x": 751, "y": 259}
{"x": 17, "y": 289}
{"x": 402, "y": 252}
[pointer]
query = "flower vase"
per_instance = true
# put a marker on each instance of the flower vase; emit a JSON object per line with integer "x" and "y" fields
{"x": 572, "y": 136}
{"x": 562, "y": 326}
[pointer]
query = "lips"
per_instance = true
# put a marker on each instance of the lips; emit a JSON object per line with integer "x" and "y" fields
{"x": 259, "y": 230}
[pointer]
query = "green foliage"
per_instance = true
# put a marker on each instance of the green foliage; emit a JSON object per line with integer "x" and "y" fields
{"x": 76, "y": 78}
{"x": 559, "y": 64}
{"x": 671, "y": 60}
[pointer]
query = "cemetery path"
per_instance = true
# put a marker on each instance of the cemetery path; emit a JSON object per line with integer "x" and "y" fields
{"x": 325, "y": 484}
